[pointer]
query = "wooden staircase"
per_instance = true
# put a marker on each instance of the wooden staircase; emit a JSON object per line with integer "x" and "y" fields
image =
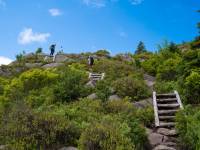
{"x": 165, "y": 108}
{"x": 96, "y": 76}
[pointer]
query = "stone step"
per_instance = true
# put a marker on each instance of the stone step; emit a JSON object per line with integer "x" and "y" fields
{"x": 169, "y": 100}
{"x": 164, "y": 96}
{"x": 174, "y": 105}
{"x": 167, "y": 124}
{"x": 171, "y": 118}
{"x": 167, "y": 112}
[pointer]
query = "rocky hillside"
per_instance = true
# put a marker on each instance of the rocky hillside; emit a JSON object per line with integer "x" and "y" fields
{"x": 56, "y": 103}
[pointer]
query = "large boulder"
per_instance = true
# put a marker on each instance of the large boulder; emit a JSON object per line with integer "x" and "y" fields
{"x": 91, "y": 84}
{"x": 33, "y": 65}
{"x": 60, "y": 58}
{"x": 52, "y": 65}
{"x": 3, "y": 147}
{"x": 163, "y": 147}
{"x": 167, "y": 132}
{"x": 156, "y": 139}
{"x": 93, "y": 96}
{"x": 143, "y": 103}
{"x": 114, "y": 98}
{"x": 149, "y": 80}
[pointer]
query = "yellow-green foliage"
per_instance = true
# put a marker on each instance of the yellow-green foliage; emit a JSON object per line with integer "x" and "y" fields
{"x": 168, "y": 70}
{"x": 131, "y": 86}
{"x": 109, "y": 134}
{"x": 188, "y": 127}
{"x": 113, "y": 69}
{"x": 192, "y": 87}
{"x": 28, "y": 81}
{"x": 85, "y": 123}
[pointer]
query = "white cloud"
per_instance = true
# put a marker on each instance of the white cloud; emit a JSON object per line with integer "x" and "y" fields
{"x": 55, "y": 12}
{"x": 136, "y": 2}
{"x": 27, "y": 36}
{"x": 95, "y": 3}
{"x": 5, "y": 60}
{"x": 2, "y": 3}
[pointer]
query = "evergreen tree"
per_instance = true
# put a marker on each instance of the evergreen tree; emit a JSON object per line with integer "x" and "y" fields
{"x": 39, "y": 50}
{"x": 140, "y": 48}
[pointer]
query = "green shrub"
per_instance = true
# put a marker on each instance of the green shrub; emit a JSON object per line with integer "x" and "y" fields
{"x": 165, "y": 86}
{"x": 109, "y": 134}
{"x": 113, "y": 69}
{"x": 188, "y": 128}
{"x": 103, "y": 90}
{"x": 39, "y": 97}
{"x": 30, "y": 80}
{"x": 3, "y": 83}
{"x": 146, "y": 116}
{"x": 122, "y": 106}
{"x": 21, "y": 128}
{"x": 84, "y": 112}
{"x": 131, "y": 87}
{"x": 103, "y": 53}
{"x": 70, "y": 85}
{"x": 150, "y": 65}
{"x": 192, "y": 88}
{"x": 168, "y": 70}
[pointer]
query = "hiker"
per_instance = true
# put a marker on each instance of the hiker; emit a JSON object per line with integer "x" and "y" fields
{"x": 91, "y": 61}
{"x": 52, "y": 49}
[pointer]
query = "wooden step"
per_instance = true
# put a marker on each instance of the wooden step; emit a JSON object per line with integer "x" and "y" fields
{"x": 175, "y": 105}
{"x": 170, "y": 95}
{"x": 167, "y": 124}
{"x": 167, "y": 112}
{"x": 169, "y": 100}
{"x": 171, "y": 118}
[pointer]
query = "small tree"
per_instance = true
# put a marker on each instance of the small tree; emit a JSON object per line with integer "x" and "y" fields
{"x": 39, "y": 50}
{"x": 20, "y": 57}
{"x": 140, "y": 48}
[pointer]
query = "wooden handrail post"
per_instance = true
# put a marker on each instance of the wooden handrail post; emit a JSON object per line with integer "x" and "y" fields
{"x": 157, "y": 123}
{"x": 178, "y": 99}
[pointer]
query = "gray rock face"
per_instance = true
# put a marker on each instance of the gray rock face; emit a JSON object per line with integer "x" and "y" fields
{"x": 33, "y": 65}
{"x": 114, "y": 97}
{"x": 149, "y": 80}
{"x": 3, "y": 147}
{"x": 166, "y": 132}
{"x": 93, "y": 96}
{"x": 69, "y": 148}
{"x": 163, "y": 147}
{"x": 143, "y": 103}
{"x": 91, "y": 84}
{"x": 52, "y": 65}
{"x": 60, "y": 58}
{"x": 156, "y": 139}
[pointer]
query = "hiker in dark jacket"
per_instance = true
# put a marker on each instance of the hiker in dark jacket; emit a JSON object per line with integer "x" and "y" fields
{"x": 91, "y": 61}
{"x": 52, "y": 49}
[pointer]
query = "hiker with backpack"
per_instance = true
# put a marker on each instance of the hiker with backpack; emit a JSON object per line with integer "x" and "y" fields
{"x": 90, "y": 61}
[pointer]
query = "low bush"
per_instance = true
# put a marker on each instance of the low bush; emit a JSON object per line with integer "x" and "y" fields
{"x": 132, "y": 87}
{"x": 188, "y": 128}
{"x": 113, "y": 69}
{"x": 108, "y": 134}
{"x": 21, "y": 128}
{"x": 165, "y": 86}
{"x": 192, "y": 88}
{"x": 70, "y": 85}
{"x": 103, "y": 90}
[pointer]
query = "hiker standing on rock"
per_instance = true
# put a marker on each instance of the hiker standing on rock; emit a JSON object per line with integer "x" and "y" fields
{"x": 52, "y": 49}
{"x": 90, "y": 61}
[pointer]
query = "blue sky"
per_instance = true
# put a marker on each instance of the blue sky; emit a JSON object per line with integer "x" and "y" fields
{"x": 88, "y": 25}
